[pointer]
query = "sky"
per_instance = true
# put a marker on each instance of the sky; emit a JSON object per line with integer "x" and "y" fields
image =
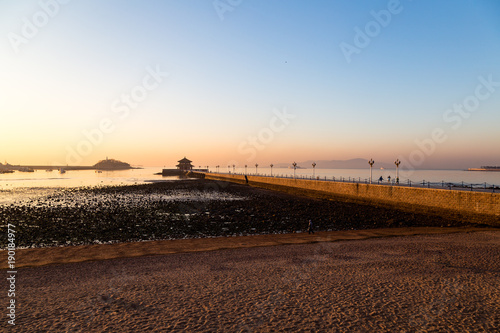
{"x": 250, "y": 81}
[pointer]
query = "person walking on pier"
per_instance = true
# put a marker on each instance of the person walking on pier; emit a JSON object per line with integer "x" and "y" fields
{"x": 310, "y": 228}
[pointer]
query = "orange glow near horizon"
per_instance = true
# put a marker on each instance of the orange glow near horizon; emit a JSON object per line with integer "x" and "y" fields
{"x": 158, "y": 156}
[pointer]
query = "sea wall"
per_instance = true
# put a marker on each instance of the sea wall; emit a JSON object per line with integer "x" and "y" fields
{"x": 172, "y": 172}
{"x": 478, "y": 206}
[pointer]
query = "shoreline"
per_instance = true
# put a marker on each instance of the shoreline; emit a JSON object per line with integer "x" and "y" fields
{"x": 86, "y": 224}
{"x": 36, "y": 257}
{"x": 192, "y": 209}
{"x": 65, "y": 167}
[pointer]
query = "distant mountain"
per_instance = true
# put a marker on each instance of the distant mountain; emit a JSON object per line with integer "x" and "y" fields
{"x": 355, "y": 163}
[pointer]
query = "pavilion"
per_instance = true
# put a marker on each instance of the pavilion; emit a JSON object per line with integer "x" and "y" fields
{"x": 184, "y": 165}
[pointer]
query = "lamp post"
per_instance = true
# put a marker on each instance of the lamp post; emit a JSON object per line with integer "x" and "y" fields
{"x": 233, "y": 167}
{"x": 256, "y": 166}
{"x": 397, "y": 162}
{"x": 228, "y": 169}
{"x": 245, "y": 169}
{"x": 371, "y": 162}
{"x": 271, "y": 169}
{"x": 314, "y": 169}
{"x": 294, "y": 167}
{"x": 217, "y": 168}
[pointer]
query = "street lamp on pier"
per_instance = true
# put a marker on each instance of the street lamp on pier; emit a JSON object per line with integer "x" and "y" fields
{"x": 294, "y": 167}
{"x": 271, "y": 169}
{"x": 233, "y": 167}
{"x": 245, "y": 169}
{"x": 256, "y": 166}
{"x": 371, "y": 162}
{"x": 314, "y": 169}
{"x": 397, "y": 162}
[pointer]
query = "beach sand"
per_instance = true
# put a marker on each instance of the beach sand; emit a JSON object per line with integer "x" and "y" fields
{"x": 439, "y": 282}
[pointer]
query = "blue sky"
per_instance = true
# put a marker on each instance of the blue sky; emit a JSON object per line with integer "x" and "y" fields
{"x": 231, "y": 73}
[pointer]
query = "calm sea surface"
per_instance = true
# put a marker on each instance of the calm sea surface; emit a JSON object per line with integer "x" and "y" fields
{"x": 21, "y": 185}
{"x": 415, "y": 176}
{"x": 41, "y": 178}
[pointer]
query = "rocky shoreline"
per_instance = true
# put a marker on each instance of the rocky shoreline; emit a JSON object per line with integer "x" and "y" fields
{"x": 189, "y": 209}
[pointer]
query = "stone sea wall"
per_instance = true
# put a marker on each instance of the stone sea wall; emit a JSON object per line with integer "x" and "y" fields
{"x": 478, "y": 206}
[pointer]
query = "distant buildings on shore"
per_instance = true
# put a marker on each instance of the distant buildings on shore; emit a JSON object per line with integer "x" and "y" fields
{"x": 486, "y": 168}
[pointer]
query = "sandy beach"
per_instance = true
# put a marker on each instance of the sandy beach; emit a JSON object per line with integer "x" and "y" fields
{"x": 441, "y": 282}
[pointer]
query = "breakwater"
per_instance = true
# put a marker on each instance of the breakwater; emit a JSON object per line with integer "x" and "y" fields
{"x": 477, "y": 206}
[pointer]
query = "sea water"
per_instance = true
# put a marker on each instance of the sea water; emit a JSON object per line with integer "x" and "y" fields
{"x": 78, "y": 178}
{"x": 28, "y": 185}
{"x": 19, "y": 186}
{"x": 363, "y": 175}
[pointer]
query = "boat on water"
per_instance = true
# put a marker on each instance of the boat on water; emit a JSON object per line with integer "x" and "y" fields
{"x": 26, "y": 169}
{"x": 62, "y": 170}
{"x": 6, "y": 171}
{"x": 485, "y": 168}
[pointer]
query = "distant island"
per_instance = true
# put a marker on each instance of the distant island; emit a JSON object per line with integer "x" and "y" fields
{"x": 112, "y": 164}
{"x": 485, "y": 168}
{"x": 105, "y": 165}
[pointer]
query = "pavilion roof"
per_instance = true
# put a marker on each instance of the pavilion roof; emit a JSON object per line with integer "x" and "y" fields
{"x": 184, "y": 160}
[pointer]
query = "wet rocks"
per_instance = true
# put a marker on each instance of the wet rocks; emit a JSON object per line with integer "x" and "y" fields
{"x": 187, "y": 209}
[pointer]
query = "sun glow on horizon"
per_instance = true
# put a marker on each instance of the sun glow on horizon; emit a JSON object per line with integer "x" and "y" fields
{"x": 148, "y": 84}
